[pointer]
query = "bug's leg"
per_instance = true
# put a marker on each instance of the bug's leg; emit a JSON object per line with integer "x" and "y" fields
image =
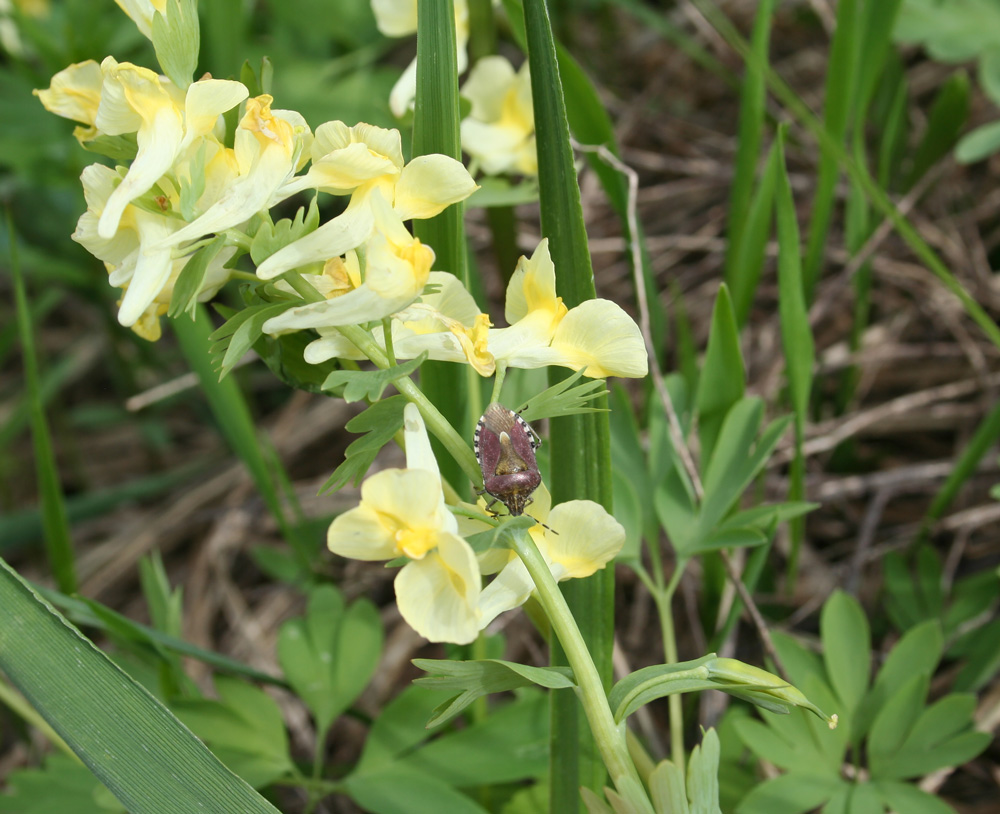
{"x": 540, "y": 523}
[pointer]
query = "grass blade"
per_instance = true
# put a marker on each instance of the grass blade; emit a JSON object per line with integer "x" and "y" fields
{"x": 436, "y": 130}
{"x": 840, "y": 81}
{"x": 741, "y": 278}
{"x": 581, "y": 445}
{"x": 236, "y": 424}
{"x": 143, "y": 754}
{"x": 58, "y": 543}
{"x": 796, "y": 337}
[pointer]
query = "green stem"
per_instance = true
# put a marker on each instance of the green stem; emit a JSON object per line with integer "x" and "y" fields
{"x": 663, "y": 602}
{"x": 439, "y": 426}
{"x": 501, "y": 373}
{"x": 609, "y": 736}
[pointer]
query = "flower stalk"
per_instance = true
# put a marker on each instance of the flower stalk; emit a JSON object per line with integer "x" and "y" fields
{"x": 609, "y": 737}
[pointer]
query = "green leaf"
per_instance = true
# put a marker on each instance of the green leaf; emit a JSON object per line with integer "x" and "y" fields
{"x": 894, "y": 721}
{"x": 244, "y": 728}
{"x": 742, "y": 267}
{"x": 270, "y": 237}
{"x": 752, "y": 249}
{"x": 124, "y": 735}
{"x": 945, "y": 121}
{"x": 916, "y": 653}
{"x": 368, "y": 385}
{"x": 703, "y": 775}
{"x": 58, "y": 540}
{"x": 667, "y": 788}
{"x": 978, "y": 144}
{"x": 790, "y": 794}
{"x": 841, "y": 78}
{"x": 796, "y": 334}
{"x": 239, "y": 333}
{"x": 63, "y": 785}
{"x": 474, "y": 679}
{"x": 983, "y": 658}
{"x": 904, "y": 797}
{"x": 398, "y": 790}
{"x": 436, "y": 118}
{"x": 380, "y": 423}
{"x": 723, "y": 376}
{"x": 176, "y": 40}
{"x": 330, "y": 655}
{"x": 565, "y": 397}
{"x": 846, "y": 648}
{"x": 509, "y": 745}
{"x": 189, "y": 283}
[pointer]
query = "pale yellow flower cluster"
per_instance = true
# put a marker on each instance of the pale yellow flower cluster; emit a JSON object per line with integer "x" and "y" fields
{"x": 596, "y": 336}
{"x": 439, "y": 591}
{"x": 183, "y": 183}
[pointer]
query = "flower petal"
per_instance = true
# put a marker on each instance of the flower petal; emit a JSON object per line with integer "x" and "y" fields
{"x": 532, "y": 286}
{"x": 508, "y": 590}
{"x": 335, "y": 237}
{"x": 429, "y": 184}
{"x": 599, "y": 336}
{"x": 438, "y": 595}
{"x": 588, "y": 538}
{"x": 75, "y": 92}
{"x": 360, "y": 534}
{"x": 486, "y": 86}
{"x": 418, "y": 446}
{"x": 208, "y": 99}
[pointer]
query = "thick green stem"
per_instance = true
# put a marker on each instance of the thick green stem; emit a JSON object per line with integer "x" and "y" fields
{"x": 609, "y": 736}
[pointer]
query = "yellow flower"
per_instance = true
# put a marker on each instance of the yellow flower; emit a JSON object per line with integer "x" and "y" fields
{"x": 582, "y": 538}
{"x": 145, "y": 273}
{"x": 402, "y": 513}
{"x": 397, "y": 266}
{"x": 499, "y": 132}
{"x": 267, "y": 151}
{"x": 597, "y": 335}
{"x": 398, "y": 18}
{"x": 361, "y": 161}
{"x": 446, "y": 324}
{"x": 165, "y": 120}
{"x": 75, "y": 93}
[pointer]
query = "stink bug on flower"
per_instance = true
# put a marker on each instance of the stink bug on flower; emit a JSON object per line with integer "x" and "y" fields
{"x": 505, "y": 447}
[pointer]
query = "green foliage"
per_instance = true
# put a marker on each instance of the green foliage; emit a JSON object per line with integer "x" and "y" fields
{"x": 189, "y": 284}
{"x": 956, "y": 32}
{"x": 369, "y": 385}
{"x": 330, "y": 655}
{"x": 62, "y": 784}
{"x": 244, "y": 729}
{"x": 176, "y": 40}
{"x": 126, "y": 737}
{"x": 903, "y": 736}
{"x": 478, "y": 678}
{"x": 380, "y": 423}
{"x": 565, "y": 397}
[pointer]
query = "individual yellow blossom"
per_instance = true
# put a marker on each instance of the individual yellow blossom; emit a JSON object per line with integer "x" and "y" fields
{"x": 499, "y": 132}
{"x": 402, "y": 513}
{"x": 397, "y": 267}
{"x": 135, "y": 264}
{"x": 398, "y": 18}
{"x": 581, "y": 539}
{"x": 596, "y": 336}
{"x": 360, "y": 161}
{"x": 75, "y": 93}
{"x": 446, "y": 324}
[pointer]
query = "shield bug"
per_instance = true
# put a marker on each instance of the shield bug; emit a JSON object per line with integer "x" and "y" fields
{"x": 505, "y": 447}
